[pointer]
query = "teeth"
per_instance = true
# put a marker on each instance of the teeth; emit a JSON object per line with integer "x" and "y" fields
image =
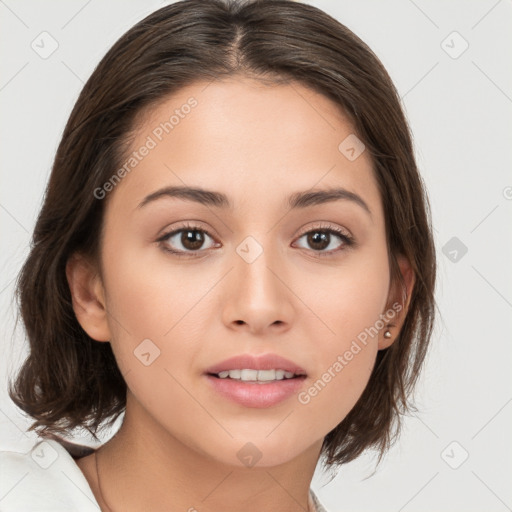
{"x": 256, "y": 375}
{"x": 249, "y": 375}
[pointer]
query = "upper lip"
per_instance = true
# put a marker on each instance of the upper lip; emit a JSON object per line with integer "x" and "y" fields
{"x": 265, "y": 362}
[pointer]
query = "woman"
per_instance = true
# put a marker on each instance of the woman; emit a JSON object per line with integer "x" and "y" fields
{"x": 234, "y": 251}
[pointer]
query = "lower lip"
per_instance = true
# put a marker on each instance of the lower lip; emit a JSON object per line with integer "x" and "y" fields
{"x": 254, "y": 394}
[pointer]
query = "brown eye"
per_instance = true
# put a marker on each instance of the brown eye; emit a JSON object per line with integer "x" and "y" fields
{"x": 326, "y": 241}
{"x": 318, "y": 240}
{"x": 192, "y": 239}
{"x": 186, "y": 240}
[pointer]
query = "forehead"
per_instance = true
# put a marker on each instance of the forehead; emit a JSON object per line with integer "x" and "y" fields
{"x": 249, "y": 139}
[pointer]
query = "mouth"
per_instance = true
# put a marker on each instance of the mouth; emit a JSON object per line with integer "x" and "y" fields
{"x": 256, "y": 381}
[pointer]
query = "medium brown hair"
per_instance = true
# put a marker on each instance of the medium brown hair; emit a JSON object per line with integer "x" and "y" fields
{"x": 68, "y": 379}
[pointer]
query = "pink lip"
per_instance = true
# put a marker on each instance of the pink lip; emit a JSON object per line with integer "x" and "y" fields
{"x": 254, "y": 394}
{"x": 265, "y": 362}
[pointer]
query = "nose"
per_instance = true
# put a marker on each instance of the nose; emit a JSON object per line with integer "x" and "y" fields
{"x": 257, "y": 298}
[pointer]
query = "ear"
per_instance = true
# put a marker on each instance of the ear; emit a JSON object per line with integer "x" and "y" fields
{"x": 88, "y": 297}
{"x": 398, "y": 302}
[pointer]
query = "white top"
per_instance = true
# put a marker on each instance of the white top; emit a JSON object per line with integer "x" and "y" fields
{"x": 47, "y": 479}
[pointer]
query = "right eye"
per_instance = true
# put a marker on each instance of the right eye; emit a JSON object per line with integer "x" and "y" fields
{"x": 185, "y": 241}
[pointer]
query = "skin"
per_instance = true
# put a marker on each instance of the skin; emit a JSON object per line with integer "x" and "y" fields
{"x": 178, "y": 444}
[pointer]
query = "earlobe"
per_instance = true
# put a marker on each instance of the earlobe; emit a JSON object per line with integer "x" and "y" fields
{"x": 88, "y": 297}
{"x": 399, "y": 299}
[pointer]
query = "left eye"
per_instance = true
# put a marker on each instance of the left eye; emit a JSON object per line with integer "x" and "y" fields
{"x": 322, "y": 240}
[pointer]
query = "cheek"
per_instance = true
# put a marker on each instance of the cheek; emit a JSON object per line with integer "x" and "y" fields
{"x": 160, "y": 314}
{"x": 347, "y": 298}
{"x": 351, "y": 304}
{"x": 354, "y": 301}
{"x": 147, "y": 297}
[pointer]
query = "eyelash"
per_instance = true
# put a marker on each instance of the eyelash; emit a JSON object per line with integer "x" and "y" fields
{"x": 347, "y": 240}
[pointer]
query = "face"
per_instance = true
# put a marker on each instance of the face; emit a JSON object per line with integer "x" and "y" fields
{"x": 192, "y": 280}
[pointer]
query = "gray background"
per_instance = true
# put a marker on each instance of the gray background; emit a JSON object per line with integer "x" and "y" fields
{"x": 459, "y": 103}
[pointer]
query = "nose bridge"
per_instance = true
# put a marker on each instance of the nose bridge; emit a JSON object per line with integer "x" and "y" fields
{"x": 255, "y": 259}
{"x": 259, "y": 298}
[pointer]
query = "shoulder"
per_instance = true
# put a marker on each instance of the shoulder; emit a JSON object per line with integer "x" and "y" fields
{"x": 44, "y": 478}
{"x": 318, "y": 506}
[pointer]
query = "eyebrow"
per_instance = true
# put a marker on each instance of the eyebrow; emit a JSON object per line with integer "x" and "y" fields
{"x": 215, "y": 199}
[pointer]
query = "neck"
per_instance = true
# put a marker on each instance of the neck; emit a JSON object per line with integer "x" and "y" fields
{"x": 143, "y": 468}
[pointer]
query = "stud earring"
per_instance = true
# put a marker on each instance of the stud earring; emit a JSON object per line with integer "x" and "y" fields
{"x": 387, "y": 335}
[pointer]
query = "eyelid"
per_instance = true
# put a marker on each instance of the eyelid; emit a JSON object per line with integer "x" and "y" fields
{"x": 186, "y": 224}
{"x": 326, "y": 226}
